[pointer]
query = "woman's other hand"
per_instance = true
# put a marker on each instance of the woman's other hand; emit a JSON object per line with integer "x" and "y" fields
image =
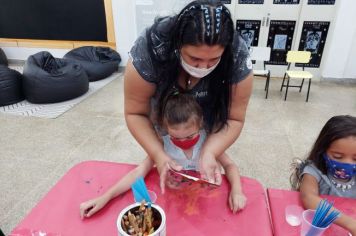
{"x": 209, "y": 168}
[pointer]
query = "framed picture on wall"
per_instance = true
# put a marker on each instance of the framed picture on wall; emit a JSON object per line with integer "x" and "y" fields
{"x": 225, "y": 1}
{"x": 249, "y": 31}
{"x": 280, "y": 37}
{"x": 313, "y": 40}
{"x": 251, "y": 1}
{"x": 285, "y": 1}
{"x": 321, "y": 2}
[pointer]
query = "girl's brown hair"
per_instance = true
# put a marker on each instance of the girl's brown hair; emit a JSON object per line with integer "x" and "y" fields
{"x": 179, "y": 108}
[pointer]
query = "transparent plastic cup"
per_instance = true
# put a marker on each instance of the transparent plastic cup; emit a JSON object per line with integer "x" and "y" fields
{"x": 307, "y": 228}
{"x": 152, "y": 195}
{"x": 293, "y": 215}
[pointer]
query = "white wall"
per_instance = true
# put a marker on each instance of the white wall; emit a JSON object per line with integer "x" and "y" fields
{"x": 19, "y": 53}
{"x": 125, "y": 26}
{"x": 341, "y": 53}
{"x": 350, "y": 69}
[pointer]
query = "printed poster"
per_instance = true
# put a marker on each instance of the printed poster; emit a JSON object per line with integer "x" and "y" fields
{"x": 313, "y": 40}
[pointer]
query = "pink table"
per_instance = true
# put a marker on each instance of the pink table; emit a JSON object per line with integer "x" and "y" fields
{"x": 197, "y": 212}
{"x": 280, "y": 199}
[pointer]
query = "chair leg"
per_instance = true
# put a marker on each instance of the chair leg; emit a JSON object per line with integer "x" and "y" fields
{"x": 267, "y": 83}
{"x": 284, "y": 77}
{"x": 308, "y": 90}
{"x": 285, "y": 97}
{"x": 301, "y": 86}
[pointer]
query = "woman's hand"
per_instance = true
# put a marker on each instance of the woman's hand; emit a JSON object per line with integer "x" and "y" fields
{"x": 92, "y": 206}
{"x": 163, "y": 167}
{"x": 237, "y": 201}
{"x": 209, "y": 168}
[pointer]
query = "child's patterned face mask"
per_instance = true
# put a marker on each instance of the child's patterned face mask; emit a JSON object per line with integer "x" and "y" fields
{"x": 338, "y": 169}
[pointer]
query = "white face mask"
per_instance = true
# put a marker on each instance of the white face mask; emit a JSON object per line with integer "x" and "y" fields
{"x": 197, "y": 72}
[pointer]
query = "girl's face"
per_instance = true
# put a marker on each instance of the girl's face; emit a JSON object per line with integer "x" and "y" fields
{"x": 202, "y": 56}
{"x": 184, "y": 131}
{"x": 343, "y": 150}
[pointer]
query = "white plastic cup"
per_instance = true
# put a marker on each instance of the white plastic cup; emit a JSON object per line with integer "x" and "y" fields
{"x": 307, "y": 228}
{"x": 294, "y": 215}
{"x": 161, "y": 231}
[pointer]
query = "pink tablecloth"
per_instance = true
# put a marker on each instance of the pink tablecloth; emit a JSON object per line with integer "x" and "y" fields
{"x": 197, "y": 212}
{"x": 280, "y": 199}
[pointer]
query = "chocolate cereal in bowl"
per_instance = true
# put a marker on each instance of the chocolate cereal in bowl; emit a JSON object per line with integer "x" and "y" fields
{"x": 141, "y": 219}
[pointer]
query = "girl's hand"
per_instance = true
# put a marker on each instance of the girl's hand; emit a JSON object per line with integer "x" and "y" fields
{"x": 92, "y": 206}
{"x": 237, "y": 201}
{"x": 163, "y": 168}
{"x": 209, "y": 168}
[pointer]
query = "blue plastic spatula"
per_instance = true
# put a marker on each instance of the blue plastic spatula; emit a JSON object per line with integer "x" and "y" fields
{"x": 139, "y": 190}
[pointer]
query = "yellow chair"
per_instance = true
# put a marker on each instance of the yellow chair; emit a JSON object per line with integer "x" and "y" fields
{"x": 302, "y": 57}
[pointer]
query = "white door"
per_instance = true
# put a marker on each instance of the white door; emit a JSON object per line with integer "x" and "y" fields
{"x": 285, "y": 25}
{"x": 276, "y": 20}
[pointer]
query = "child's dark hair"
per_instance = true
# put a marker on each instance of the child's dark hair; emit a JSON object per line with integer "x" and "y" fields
{"x": 179, "y": 108}
{"x": 337, "y": 127}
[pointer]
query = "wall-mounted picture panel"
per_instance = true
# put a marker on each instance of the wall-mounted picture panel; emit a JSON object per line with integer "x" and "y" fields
{"x": 251, "y": 1}
{"x": 280, "y": 37}
{"x": 313, "y": 39}
{"x": 225, "y": 1}
{"x": 285, "y": 1}
{"x": 249, "y": 30}
{"x": 321, "y": 2}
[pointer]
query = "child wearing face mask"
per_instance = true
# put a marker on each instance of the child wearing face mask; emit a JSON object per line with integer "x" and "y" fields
{"x": 330, "y": 168}
{"x": 182, "y": 118}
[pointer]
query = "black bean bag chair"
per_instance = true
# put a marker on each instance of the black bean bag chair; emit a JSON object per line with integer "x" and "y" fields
{"x": 98, "y": 62}
{"x": 10, "y": 86}
{"x": 48, "y": 79}
{"x": 3, "y": 58}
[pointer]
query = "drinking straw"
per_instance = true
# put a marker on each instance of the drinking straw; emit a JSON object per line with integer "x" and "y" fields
{"x": 139, "y": 190}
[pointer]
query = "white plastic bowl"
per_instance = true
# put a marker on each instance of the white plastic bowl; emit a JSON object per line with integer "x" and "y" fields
{"x": 161, "y": 231}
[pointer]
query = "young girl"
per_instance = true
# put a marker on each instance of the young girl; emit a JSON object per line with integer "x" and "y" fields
{"x": 330, "y": 167}
{"x": 182, "y": 119}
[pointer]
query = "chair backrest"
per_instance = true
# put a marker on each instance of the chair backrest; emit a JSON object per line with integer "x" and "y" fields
{"x": 298, "y": 56}
{"x": 260, "y": 53}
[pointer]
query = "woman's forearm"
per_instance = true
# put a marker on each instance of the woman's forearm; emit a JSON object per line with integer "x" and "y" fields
{"x": 141, "y": 128}
{"x": 137, "y": 106}
{"x": 217, "y": 143}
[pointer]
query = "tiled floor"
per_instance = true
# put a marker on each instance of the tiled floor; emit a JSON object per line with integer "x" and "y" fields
{"x": 36, "y": 152}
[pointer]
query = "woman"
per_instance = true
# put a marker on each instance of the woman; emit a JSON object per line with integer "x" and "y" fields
{"x": 197, "y": 51}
